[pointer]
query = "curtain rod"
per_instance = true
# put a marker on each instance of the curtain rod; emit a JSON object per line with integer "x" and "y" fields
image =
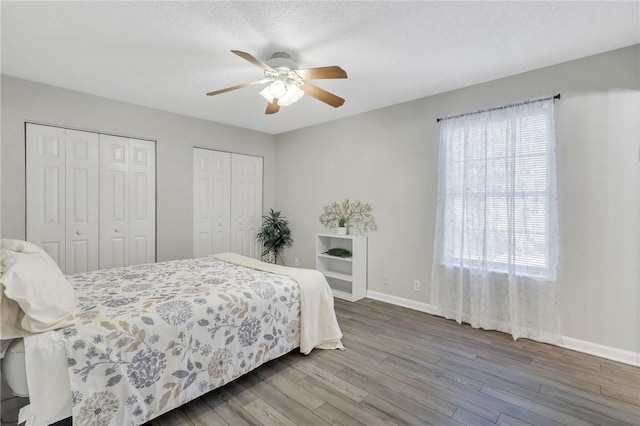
{"x": 500, "y": 107}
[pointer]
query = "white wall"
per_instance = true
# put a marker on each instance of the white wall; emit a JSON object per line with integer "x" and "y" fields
{"x": 176, "y": 136}
{"x": 389, "y": 158}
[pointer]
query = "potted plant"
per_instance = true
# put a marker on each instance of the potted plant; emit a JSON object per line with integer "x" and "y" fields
{"x": 342, "y": 226}
{"x": 274, "y": 236}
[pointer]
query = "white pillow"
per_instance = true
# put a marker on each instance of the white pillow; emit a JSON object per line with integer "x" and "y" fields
{"x": 34, "y": 294}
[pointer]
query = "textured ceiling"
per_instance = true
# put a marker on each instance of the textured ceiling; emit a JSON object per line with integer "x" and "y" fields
{"x": 167, "y": 55}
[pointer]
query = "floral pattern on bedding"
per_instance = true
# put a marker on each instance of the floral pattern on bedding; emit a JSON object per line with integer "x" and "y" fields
{"x": 151, "y": 337}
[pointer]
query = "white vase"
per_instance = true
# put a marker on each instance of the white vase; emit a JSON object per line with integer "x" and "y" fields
{"x": 342, "y": 230}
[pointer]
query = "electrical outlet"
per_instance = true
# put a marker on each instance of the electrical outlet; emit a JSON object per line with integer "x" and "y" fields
{"x": 296, "y": 261}
{"x": 386, "y": 280}
{"x": 416, "y": 285}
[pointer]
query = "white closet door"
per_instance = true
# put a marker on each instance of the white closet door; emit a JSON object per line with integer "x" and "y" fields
{"x": 202, "y": 202}
{"x": 221, "y": 202}
{"x": 114, "y": 201}
{"x": 82, "y": 189}
{"x": 211, "y": 202}
{"x": 246, "y": 204}
{"x": 45, "y": 185}
{"x": 142, "y": 202}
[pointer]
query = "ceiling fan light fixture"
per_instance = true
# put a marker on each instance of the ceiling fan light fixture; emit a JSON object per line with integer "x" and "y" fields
{"x": 286, "y": 94}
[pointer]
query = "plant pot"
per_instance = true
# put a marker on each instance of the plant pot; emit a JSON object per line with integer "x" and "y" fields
{"x": 342, "y": 230}
{"x": 269, "y": 256}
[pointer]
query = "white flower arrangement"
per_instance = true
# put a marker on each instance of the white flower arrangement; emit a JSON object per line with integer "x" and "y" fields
{"x": 354, "y": 214}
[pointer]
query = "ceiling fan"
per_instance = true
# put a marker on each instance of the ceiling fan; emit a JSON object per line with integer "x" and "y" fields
{"x": 288, "y": 83}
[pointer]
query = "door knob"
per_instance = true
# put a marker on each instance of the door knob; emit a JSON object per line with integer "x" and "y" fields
{"x": 78, "y": 233}
{"x": 117, "y": 230}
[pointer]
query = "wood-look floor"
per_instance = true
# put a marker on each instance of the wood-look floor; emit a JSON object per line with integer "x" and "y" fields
{"x": 404, "y": 367}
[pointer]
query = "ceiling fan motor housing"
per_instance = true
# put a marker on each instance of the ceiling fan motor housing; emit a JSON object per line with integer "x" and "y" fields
{"x": 283, "y": 70}
{"x": 282, "y": 61}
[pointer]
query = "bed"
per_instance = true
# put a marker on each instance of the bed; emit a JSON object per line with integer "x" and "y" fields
{"x": 149, "y": 338}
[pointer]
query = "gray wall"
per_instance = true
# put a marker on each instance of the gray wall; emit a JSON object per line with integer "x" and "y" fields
{"x": 176, "y": 136}
{"x": 389, "y": 157}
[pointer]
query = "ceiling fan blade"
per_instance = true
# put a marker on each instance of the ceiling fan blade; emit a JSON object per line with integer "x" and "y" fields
{"x": 322, "y": 95}
{"x": 322, "y": 72}
{"x": 272, "y": 107}
{"x": 247, "y": 57}
{"x": 239, "y": 86}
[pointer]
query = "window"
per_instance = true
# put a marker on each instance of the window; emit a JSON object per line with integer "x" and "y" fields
{"x": 497, "y": 186}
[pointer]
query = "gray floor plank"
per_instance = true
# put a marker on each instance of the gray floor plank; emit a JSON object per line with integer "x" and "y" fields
{"x": 334, "y": 416}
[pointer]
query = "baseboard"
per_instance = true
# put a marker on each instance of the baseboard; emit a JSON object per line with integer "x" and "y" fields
{"x": 401, "y": 301}
{"x": 608, "y": 352}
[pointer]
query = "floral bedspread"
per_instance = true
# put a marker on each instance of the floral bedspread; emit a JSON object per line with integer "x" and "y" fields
{"x": 152, "y": 337}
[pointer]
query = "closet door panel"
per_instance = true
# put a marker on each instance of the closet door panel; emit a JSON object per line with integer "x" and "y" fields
{"x": 202, "y": 202}
{"x": 221, "y": 202}
{"x": 142, "y": 201}
{"x": 227, "y": 202}
{"x": 45, "y": 187}
{"x": 246, "y": 204}
{"x": 114, "y": 201}
{"x": 211, "y": 202}
{"x": 82, "y": 192}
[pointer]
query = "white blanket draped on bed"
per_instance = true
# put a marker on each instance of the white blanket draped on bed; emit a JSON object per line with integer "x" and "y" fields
{"x": 318, "y": 325}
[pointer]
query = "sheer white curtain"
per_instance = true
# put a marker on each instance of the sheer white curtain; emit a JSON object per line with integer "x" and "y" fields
{"x": 496, "y": 247}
